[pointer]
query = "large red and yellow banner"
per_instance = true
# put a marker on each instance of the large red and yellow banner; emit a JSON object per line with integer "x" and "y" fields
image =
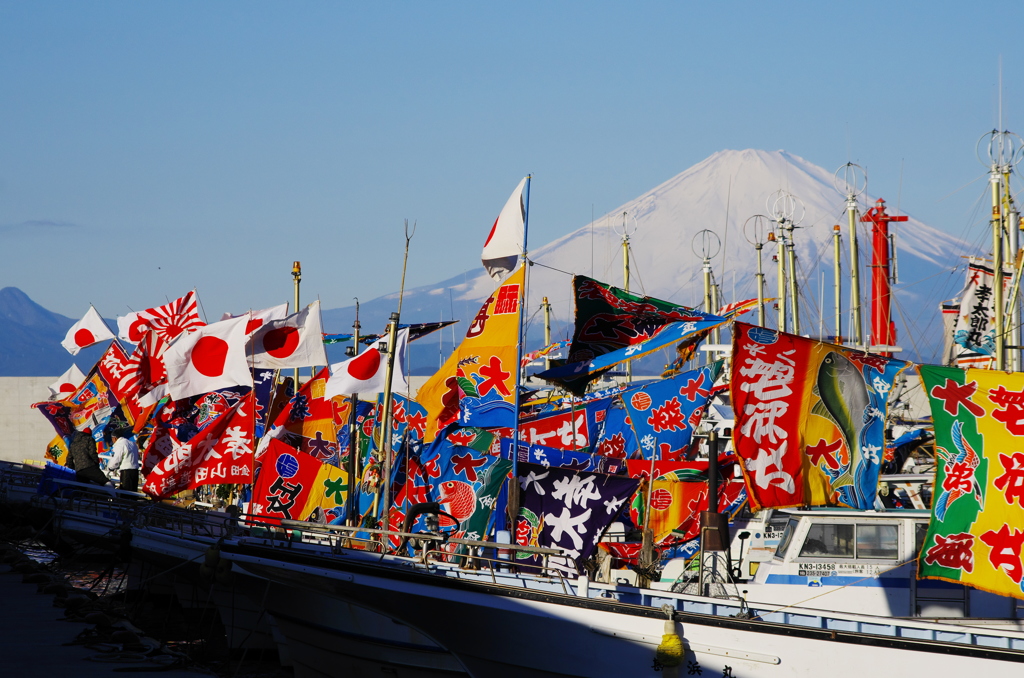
{"x": 810, "y": 419}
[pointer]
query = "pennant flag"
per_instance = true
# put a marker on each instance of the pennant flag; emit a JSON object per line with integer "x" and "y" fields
{"x": 88, "y": 331}
{"x": 67, "y": 383}
{"x": 664, "y": 337}
{"x": 665, "y": 414}
{"x": 541, "y": 352}
{"x": 810, "y": 419}
{"x": 168, "y": 321}
{"x": 978, "y": 503}
{"x": 258, "y": 318}
{"x": 416, "y": 331}
{"x": 59, "y": 416}
{"x": 975, "y": 324}
{"x": 505, "y": 241}
{"x": 291, "y": 485}
{"x": 263, "y": 391}
{"x": 365, "y": 373}
{"x": 565, "y": 509}
{"x": 408, "y": 419}
{"x": 221, "y": 454}
{"x": 476, "y": 384}
{"x": 207, "y": 359}
{"x": 738, "y": 308}
{"x": 561, "y": 429}
{"x": 608, "y": 319}
{"x": 295, "y": 341}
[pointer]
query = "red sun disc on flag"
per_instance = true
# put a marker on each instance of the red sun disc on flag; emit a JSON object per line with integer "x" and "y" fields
{"x": 640, "y": 400}
{"x": 208, "y": 356}
{"x": 67, "y": 388}
{"x": 137, "y": 329}
{"x": 661, "y": 499}
{"x": 84, "y": 337}
{"x": 281, "y": 342}
{"x": 254, "y": 325}
{"x": 365, "y": 366}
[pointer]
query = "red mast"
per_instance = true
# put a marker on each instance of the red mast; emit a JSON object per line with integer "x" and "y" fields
{"x": 883, "y": 330}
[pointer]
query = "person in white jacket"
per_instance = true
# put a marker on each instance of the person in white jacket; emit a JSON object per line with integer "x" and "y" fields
{"x": 125, "y": 460}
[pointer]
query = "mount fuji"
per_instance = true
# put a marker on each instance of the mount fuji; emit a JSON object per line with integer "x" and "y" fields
{"x": 719, "y": 194}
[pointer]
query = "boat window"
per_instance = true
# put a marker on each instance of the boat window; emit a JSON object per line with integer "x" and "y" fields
{"x": 829, "y": 540}
{"x": 787, "y": 537}
{"x": 878, "y": 541}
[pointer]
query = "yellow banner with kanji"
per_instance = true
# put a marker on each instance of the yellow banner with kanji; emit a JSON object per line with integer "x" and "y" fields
{"x": 477, "y": 383}
{"x": 977, "y": 527}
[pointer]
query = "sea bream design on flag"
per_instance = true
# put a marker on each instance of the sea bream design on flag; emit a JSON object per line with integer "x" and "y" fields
{"x": 258, "y": 318}
{"x": 476, "y": 385}
{"x": 665, "y": 414}
{"x": 168, "y": 321}
{"x": 810, "y": 419}
{"x": 91, "y": 329}
{"x": 221, "y": 453}
{"x": 209, "y": 358}
{"x": 976, "y": 535}
{"x": 560, "y": 508}
{"x": 504, "y": 243}
{"x": 365, "y": 373}
{"x": 67, "y": 383}
{"x": 295, "y": 341}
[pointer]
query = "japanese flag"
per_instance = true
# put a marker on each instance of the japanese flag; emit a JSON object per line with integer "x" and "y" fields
{"x": 260, "y": 317}
{"x": 505, "y": 241}
{"x": 88, "y": 331}
{"x": 67, "y": 383}
{"x": 207, "y": 359}
{"x": 295, "y": 341}
{"x": 365, "y": 373}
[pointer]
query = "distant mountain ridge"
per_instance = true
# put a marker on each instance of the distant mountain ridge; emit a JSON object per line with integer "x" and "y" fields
{"x": 30, "y": 339}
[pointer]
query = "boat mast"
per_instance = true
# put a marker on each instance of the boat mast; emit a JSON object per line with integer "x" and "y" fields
{"x": 883, "y": 330}
{"x": 546, "y": 305}
{"x": 626, "y": 232}
{"x": 754, "y": 231}
{"x": 707, "y": 249}
{"x": 852, "y": 183}
{"x": 296, "y": 278}
{"x": 837, "y": 265}
{"x": 353, "y": 438}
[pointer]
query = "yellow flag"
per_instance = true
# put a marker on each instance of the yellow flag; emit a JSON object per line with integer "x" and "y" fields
{"x": 328, "y": 492}
{"x": 476, "y": 385}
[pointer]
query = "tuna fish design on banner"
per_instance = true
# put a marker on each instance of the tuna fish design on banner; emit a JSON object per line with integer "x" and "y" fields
{"x": 975, "y": 536}
{"x": 565, "y": 509}
{"x": 810, "y": 419}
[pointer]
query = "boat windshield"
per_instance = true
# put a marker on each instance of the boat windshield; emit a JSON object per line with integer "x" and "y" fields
{"x": 787, "y": 537}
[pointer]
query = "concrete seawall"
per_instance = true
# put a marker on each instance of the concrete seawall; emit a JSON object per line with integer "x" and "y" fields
{"x": 24, "y": 432}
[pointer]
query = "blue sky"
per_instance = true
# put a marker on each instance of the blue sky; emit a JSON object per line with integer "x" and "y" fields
{"x": 146, "y": 148}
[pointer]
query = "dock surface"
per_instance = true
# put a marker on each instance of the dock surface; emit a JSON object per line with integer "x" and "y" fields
{"x": 33, "y": 634}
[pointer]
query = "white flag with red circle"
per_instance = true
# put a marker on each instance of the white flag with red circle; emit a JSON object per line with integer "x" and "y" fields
{"x": 505, "y": 241}
{"x": 207, "y": 359}
{"x": 88, "y": 331}
{"x": 260, "y": 317}
{"x": 169, "y": 320}
{"x": 365, "y": 373}
{"x": 295, "y": 341}
{"x": 67, "y": 383}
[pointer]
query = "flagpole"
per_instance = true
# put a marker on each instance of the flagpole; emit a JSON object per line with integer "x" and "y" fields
{"x": 513, "y": 494}
{"x": 353, "y": 439}
{"x": 297, "y": 278}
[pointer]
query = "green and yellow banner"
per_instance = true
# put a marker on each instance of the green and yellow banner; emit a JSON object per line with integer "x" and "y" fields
{"x": 977, "y": 528}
